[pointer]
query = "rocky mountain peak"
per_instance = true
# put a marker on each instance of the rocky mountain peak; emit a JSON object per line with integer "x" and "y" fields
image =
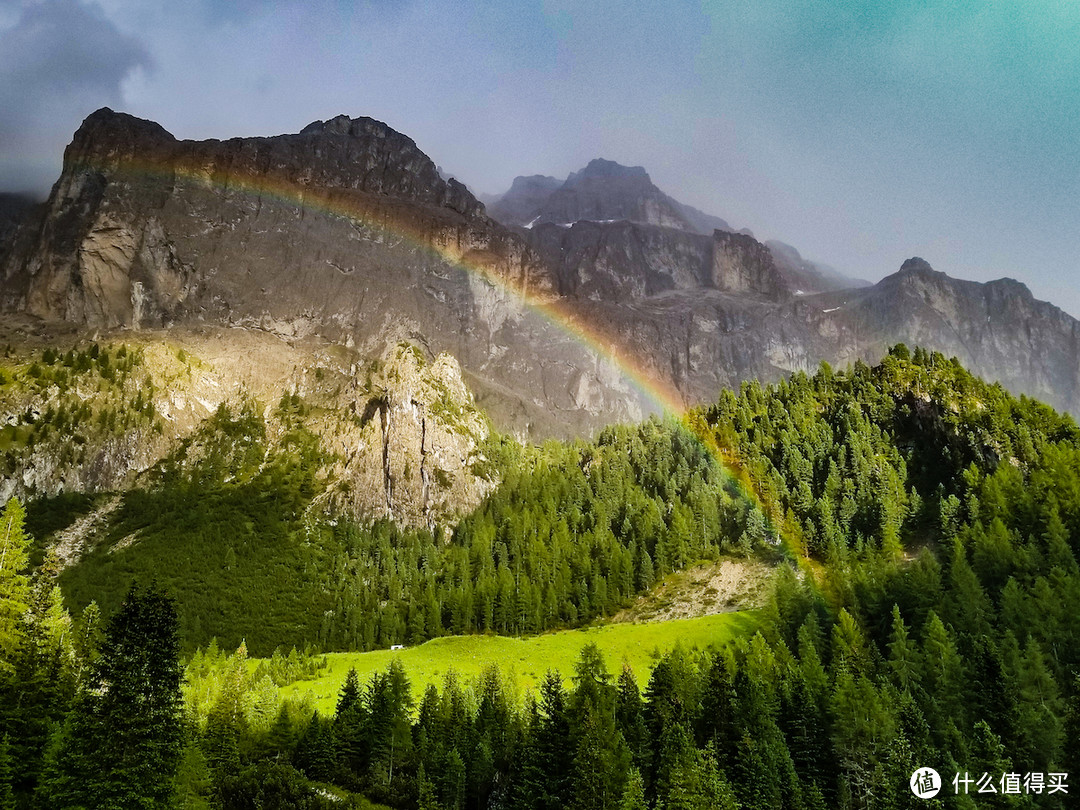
{"x": 527, "y": 194}
{"x": 606, "y": 191}
{"x": 610, "y": 170}
{"x": 532, "y": 182}
{"x": 916, "y": 265}
{"x": 603, "y": 191}
{"x": 107, "y": 140}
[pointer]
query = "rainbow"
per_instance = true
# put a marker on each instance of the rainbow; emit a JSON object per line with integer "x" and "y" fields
{"x": 355, "y": 206}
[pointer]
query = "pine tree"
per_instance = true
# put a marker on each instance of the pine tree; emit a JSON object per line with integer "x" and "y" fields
{"x": 86, "y": 639}
{"x": 601, "y": 762}
{"x": 7, "y": 794}
{"x": 350, "y": 722}
{"x": 14, "y": 584}
{"x": 315, "y": 750}
{"x": 546, "y": 761}
{"x": 630, "y": 718}
{"x": 427, "y": 799}
{"x": 124, "y": 739}
{"x": 633, "y": 797}
{"x": 902, "y": 653}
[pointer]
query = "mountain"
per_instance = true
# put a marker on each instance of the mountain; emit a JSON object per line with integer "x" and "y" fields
{"x": 519, "y": 205}
{"x": 606, "y": 192}
{"x": 806, "y": 276}
{"x": 346, "y": 233}
{"x": 399, "y": 439}
{"x": 345, "y": 230}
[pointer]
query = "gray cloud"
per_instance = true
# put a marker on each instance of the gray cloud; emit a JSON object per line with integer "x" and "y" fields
{"x": 60, "y": 60}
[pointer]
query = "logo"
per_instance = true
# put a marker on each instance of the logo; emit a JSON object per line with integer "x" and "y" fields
{"x": 925, "y": 783}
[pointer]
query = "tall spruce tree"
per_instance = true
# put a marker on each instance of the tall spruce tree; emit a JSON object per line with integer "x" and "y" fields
{"x": 123, "y": 738}
{"x": 14, "y": 584}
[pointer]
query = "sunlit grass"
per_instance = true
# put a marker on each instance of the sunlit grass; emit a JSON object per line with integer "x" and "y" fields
{"x": 527, "y": 659}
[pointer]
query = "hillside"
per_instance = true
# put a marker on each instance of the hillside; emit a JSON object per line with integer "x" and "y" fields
{"x": 923, "y": 525}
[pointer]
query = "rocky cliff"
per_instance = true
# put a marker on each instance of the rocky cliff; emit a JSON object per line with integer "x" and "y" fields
{"x": 347, "y": 233}
{"x": 740, "y": 263}
{"x": 396, "y": 438}
{"x": 605, "y": 192}
{"x": 345, "y": 230}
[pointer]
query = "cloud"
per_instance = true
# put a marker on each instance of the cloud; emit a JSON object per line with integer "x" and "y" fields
{"x": 60, "y": 59}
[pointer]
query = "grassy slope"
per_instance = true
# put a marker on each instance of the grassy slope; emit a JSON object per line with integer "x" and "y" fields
{"x": 527, "y": 659}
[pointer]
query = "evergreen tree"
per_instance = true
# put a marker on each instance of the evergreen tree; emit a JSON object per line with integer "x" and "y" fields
{"x": 427, "y": 800}
{"x": 903, "y": 654}
{"x": 601, "y": 762}
{"x": 546, "y": 763}
{"x": 124, "y": 739}
{"x": 14, "y": 584}
{"x": 350, "y": 731}
{"x": 315, "y": 754}
{"x": 630, "y": 718}
{"x": 7, "y": 793}
{"x": 633, "y": 797}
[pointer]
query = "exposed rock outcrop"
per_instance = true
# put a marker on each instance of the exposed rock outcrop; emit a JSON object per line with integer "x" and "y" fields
{"x": 742, "y": 264}
{"x": 400, "y": 439}
{"x": 411, "y": 458}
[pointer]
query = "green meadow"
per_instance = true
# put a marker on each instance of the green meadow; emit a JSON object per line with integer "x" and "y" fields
{"x": 525, "y": 660}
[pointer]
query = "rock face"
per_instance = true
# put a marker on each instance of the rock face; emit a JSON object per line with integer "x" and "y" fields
{"x": 621, "y": 261}
{"x": 400, "y": 438}
{"x": 522, "y": 203}
{"x": 345, "y": 230}
{"x": 347, "y": 233}
{"x": 411, "y": 458}
{"x": 742, "y": 264}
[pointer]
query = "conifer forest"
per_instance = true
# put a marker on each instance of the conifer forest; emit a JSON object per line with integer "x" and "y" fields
{"x": 921, "y": 529}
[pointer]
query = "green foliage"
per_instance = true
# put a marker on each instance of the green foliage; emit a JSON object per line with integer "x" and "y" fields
{"x": 228, "y": 526}
{"x": 934, "y": 624}
{"x": 123, "y": 740}
{"x": 56, "y": 417}
{"x": 45, "y": 516}
{"x": 14, "y": 584}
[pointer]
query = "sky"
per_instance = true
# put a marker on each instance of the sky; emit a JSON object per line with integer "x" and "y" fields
{"x": 861, "y": 132}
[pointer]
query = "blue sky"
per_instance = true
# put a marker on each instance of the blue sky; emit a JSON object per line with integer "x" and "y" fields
{"x": 862, "y": 133}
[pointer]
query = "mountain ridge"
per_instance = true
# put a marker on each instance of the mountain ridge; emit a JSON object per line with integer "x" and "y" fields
{"x": 348, "y": 233}
{"x": 606, "y": 192}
